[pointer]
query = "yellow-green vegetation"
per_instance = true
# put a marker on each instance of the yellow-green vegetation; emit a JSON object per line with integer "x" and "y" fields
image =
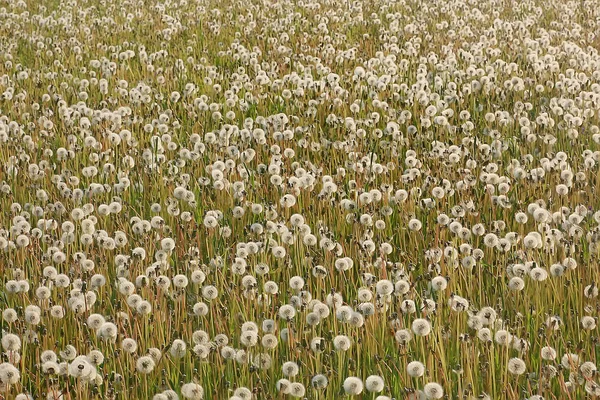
{"x": 328, "y": 199}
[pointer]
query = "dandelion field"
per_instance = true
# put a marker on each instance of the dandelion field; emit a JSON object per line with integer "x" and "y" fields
{"x": 299, "y": 199}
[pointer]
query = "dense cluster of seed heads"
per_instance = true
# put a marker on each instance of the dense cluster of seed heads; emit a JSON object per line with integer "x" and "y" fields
{"x": 388, "y": 199}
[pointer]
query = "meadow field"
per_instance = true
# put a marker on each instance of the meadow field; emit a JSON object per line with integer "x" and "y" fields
{"x": 312, "y": 199}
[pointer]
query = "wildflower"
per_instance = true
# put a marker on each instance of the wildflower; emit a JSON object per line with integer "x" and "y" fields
{"x": 548, "y": 353}
{"x": 95, "y": 357}
{"x": 145, "y": 364}
{"x": 192, "y": 391}
{"x": 516, "y": 284}
{"x": 290, "y": 369}
{"x": 414, "y": 224}
{"x": 69, "y": 353}
{"x": 415, "y": 369}
{"x": 484, "y": 334}
{"x": 503, "y": 337}
{"x": 270, "y": 287}
{"x": 342, "y": 343}
{"x": 200, "y": 309}
{"x": 516, "y": 366}
{"x": 81, "y": 368}
{"x": 249, "y": 338}
{"x": 403, "y": 336}
{"x": 107, "y": 331}
{"x": 374, "y": 384}
{"x": 11, "y": 342}
{"x": 129, "y": 345}
{"x": 9, "y": 375}
{"x": 178, "y": 348}
{"x": 588, "y": 323}
{"x": 243, "y": 393}
{"x": 570, "y": 361}
{"x": 283, "y": 386}
{"x": 408, "y": 307}
{"x": 262, "y": 361}
{"x": 439, "y": 283}
{"x": 296, "y": 283}
{"x": 421, "y": 327}
{"x": 433, "y": 390}
{"x": 353, "y": 386}
{"x": 384, "y": 287}
{"x": 553, "y": 322}
{"x": 297, "y": 390}
{"x": 155, "y": 354}
{"x": 269, "y": 341}
{"x": 590, "y": 291}
{"x": 319, "y": 381}
{"x": 287, "y": 312}
{"x": 210, "y": 292}
{"x": 588, "y": 369}
{"x": 401, "y": 287}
